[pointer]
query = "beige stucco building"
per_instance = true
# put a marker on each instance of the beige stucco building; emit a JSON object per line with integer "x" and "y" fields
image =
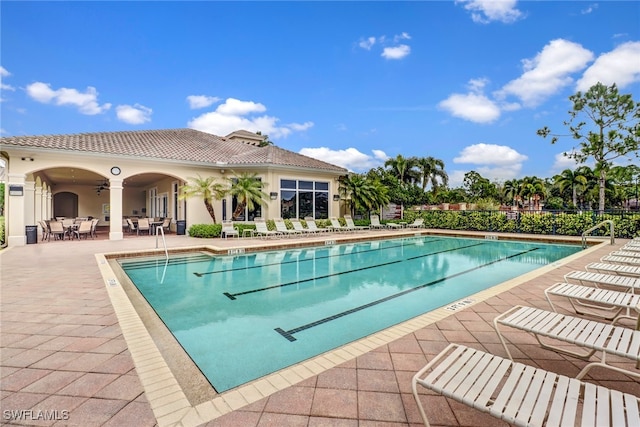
{"x": 114, "y": 175}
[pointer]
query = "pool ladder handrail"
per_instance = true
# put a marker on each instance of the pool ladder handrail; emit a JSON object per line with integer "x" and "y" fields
{"x": 600, "y": 224}
{"x": 160, "y": 230}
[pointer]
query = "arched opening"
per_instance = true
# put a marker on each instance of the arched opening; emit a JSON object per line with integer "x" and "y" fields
{"x": 65, "y": 204}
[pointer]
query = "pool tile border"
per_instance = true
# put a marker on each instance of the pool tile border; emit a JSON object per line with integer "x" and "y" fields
{"x": 167, "y": 398}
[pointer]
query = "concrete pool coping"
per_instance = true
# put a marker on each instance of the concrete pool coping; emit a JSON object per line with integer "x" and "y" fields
{"x": 167, "y": 397}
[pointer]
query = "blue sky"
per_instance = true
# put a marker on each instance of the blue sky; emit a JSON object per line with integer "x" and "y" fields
{"x": 352, "y": 83}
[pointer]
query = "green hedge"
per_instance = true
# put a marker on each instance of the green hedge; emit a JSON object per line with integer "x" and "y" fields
{"x": 2, "y": 233}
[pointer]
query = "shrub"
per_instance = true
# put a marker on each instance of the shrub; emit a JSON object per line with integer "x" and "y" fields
{"x": 205, "y": 231}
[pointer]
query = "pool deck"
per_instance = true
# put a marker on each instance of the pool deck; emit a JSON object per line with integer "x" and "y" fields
{"x": 73, "y": 347}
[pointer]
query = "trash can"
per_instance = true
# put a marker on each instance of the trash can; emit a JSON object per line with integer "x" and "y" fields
{"x": 32, "y": 234}
{"x": 181, "y": 227}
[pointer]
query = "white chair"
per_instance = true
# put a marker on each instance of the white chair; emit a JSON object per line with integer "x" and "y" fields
{"x": 131, "y": 226}
{"x": 375, "y": 222}
{"x": 626, "y": 253}
{"x": 627, "y": 283}
{"x": 57, "y": 230}
{"x": 588, "y": 335}
{"x": 311, "y": 224}
{"x": 263, "y": 230}
{"x": 604, "y": 303}
{"x": 228, "y": 230}
{"x": 417, "y": 223}
{"x": 620, "y": 269}
{"x": 297, "y": 225}
{"x": 83, "y": 229}
{"x": 281, "y": 226}
{"x": 353, "y": 226}
{"x": 336, "y": 226}
{"x": 143, "y": 225}
{"x": 522, "y": 395}
{"x": 613, "y": 259}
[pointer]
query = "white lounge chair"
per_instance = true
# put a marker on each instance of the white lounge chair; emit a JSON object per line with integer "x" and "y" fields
{"x": 520, "y": 394}
{"x": 262, "y": 230}
{"x": 375, "y": 222}
{"x": 628, "y": 283}
{"x": 587, "y": 334}
{"x": 228, "y": 230}
{"x": 311, "y": 225}
{"x": 336, "y": 226}
{"x": 417, "y": 223}
{"x": 625, "y": 253}
{"x": 297, "y": 225}
{"x": 604, "y": 303}
{"x": 621, "y": 260}
{"x": 353, "y": 226}
{"x": 631, "y": 248}
{"x": 623, "y": 270}
{"x": 282, "y": 228}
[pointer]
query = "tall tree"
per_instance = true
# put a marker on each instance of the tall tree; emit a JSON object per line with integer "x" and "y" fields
{"x": 207, "y": 188}
{"x": 247, "y": 188}
{"x": 511, "y": 190}
{"x": 432, "y": 171}
{"x": 607, "y": 126}
{"x": 362, "y": 193}
{"x": 532, "y": 189}
{"x": 402, "y": 168}
{"x": 573, "y": 180}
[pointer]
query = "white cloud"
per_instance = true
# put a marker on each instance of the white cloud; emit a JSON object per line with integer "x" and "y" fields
{"x": 494, "y": 162}
{"x": 396, "y": 52}
{"x": 87, "y": 102}
{"x": 589, "y": 9}
{"x": 4, "y": 73}
{"x": 201, "y": 101}
{"x": 620, "y": 66}
{"x": 367, "y": 43}
{"x": 350, "y": 158}
{"x": 235, "y": 114}
{"x": 486, "y": 11}
{"x": 548, "y": 72}
{"x": 134, "y": 115}
{"x": 471, "y": 106}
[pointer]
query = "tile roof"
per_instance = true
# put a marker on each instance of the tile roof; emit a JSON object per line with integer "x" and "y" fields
{"x": 187, "y": 145}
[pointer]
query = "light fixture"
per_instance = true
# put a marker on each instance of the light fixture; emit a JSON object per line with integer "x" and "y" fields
{"x": 336, "y": 197}
{"x": 273, "y": 195}
{"x": 25, "y": 159}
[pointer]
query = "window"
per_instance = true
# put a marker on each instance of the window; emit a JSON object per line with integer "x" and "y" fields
{"x": 299, "y": 199}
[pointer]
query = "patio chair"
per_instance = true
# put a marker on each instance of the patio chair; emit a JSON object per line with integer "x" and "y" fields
{"x": 520, "y": 394}
{"x": 627, "y": 283}
{"x": 83, "y": 229}
{"x": 281, "y": 226}
{"x": 626, "y": 254}
{"x": 634, "y": 261}
{"x": 143, "y": 225}
{"x": 630, "y": 247}
{"x": 353, "y": 226}
{"x": 623, "y": 270}
{"x": 57, "y": 230}
{"x": 311, "y": 225}
{"x": 166, "y": 225}
{"x": 262, "y": 230}
{"x": 297, "y": 225}
{"x": 229, "y": 230}
{"x": 589, "y": 335}
{"x": 131, "y": 226}
{"x": 604, "y": 303}
{"x": 375, "y": 222}
{"x": 46, "y": 232}
{"x": 94, "y": 227}
{"x": 336, "y": 226}
{"x": 417, "y": 223}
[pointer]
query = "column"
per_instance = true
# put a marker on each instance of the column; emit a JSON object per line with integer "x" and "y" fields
{"x": 115, "y": 209}
{"x": 15, "y": 221}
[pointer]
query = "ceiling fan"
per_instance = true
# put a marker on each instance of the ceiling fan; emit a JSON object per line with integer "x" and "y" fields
{"x": 102, "y": 186}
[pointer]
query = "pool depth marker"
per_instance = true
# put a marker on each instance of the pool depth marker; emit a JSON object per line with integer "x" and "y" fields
{"x": 289, "y": 334}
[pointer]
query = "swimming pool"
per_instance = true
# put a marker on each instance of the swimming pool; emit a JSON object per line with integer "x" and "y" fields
{"x": 244, "y": 316}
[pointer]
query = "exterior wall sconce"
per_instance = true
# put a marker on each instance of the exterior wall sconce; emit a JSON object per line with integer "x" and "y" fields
{"x": 336, "y": 197}
{"x": 273, "y": 195}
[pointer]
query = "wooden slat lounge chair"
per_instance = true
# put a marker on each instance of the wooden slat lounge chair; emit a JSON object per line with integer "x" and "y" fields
{"x": 586, "y": 334}
{"x": 604, "y": 303}
{"x": 521, "y": 394}
{"x": 634, "y": 261}
{"x": 623, "y": 270}
{"x": 626, "y": 283}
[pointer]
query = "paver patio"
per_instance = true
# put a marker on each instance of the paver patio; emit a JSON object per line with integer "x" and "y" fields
{"x": 63, "y": 351}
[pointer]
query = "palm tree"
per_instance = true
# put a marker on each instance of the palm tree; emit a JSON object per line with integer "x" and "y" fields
{"x": 402, "y": 168}
{"x": 511, "y": 190}
{"x": 208, "y": 189}
{"x": 532, "y": 189}
{"x": 432, "y": 170}
{"x": 247, "y": 189}
{"x": 362, "y": 193}
{"x": 571, "y": 179}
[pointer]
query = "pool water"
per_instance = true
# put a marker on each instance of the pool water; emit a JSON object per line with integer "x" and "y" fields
{"x": 244, "y": 316}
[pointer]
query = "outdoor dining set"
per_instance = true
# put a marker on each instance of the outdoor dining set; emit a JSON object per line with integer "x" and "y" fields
{"x": 68, "y": 228}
